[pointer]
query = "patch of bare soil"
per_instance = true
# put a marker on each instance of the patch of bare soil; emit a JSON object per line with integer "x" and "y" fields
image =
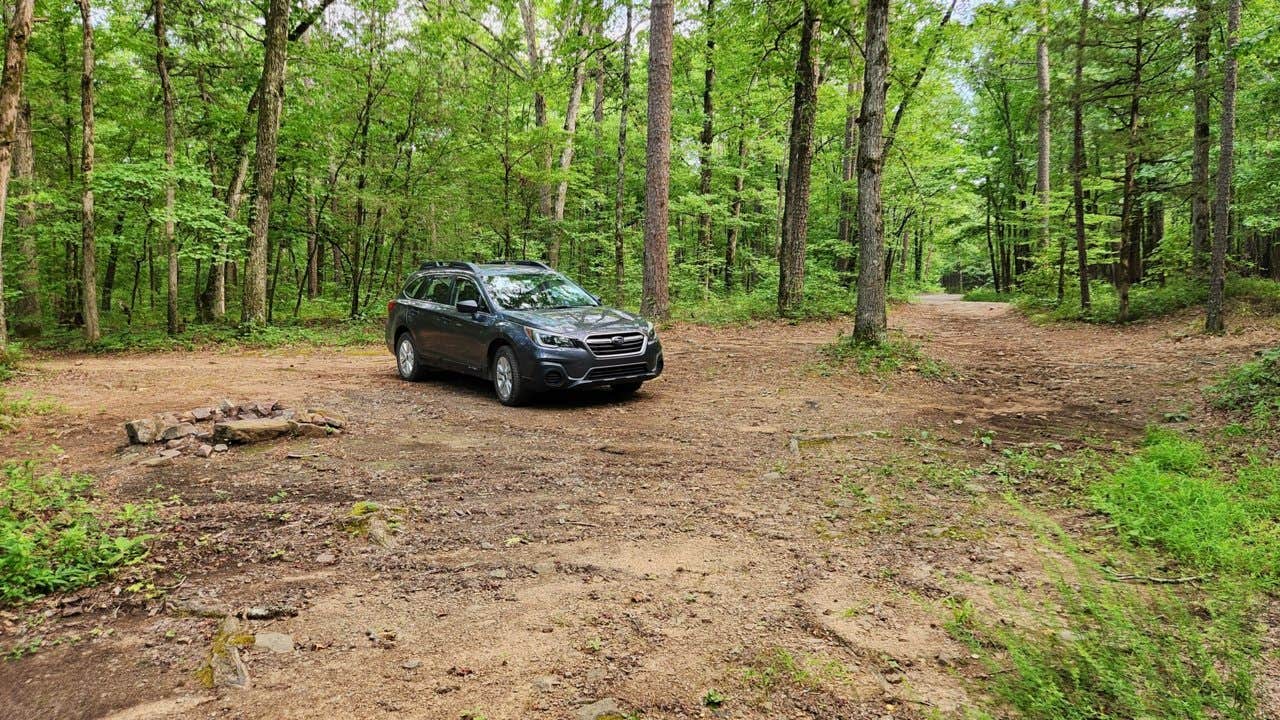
{"x": 737, "y": 526}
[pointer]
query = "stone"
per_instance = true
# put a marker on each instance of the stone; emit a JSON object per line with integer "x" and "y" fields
{"x": 328, "y": 417}
{"x": 171, "y": 453}
{"x": 606, "y": 708}
{"x": 156, "y": 462}
{"x": 544, "y": 568}
{"x": 202, "y": 414}
{"x": 251, "y": 431}
{"x": 268, "y": 612}
{"x": 275, "y": 642}
{"x": 177, "y": 442}
{"x": 498, "y": 574}
{"x": 227, "y": 407}
{"x": 313, "y": 431}
{"x": 225, "y": 667}
{"x": 546, "y": 683}
{"x": 220, "y": 447}
{"x": 326, "y": 558}
{"x": 204, "y": 451}
{"x": 170, "y": 431}
{"x": 411, "y": 664}
{"x": 141, "y": 432}
{"x": 197, "y": 607}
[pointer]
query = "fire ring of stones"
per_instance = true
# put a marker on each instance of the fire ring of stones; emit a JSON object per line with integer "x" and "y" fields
{"x": 207, "y": 430}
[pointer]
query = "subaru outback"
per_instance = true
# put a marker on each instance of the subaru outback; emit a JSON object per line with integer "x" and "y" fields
{"x": 520, "y": 324}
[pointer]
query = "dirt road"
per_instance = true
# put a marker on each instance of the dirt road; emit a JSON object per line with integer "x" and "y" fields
{"x": 749, "y": 524}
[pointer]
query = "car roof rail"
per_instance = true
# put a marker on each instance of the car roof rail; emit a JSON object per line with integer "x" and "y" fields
{"x": 452, "y": 264}
{"x": 529, "y": 263}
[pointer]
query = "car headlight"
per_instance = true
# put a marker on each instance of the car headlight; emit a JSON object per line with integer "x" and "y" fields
{"x": 650, "y": 330}
{"x": 549, "y": 340}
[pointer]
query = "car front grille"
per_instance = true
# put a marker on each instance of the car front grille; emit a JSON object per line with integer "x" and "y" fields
{"x": 616, "y": 344}
{"x": 617, "y": 371}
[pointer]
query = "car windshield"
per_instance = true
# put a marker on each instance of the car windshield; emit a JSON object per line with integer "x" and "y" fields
{"x": 536, "y": 291}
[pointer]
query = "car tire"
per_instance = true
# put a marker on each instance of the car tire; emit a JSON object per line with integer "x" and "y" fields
{"x": 408, "y": 362}
{"x": 626, "y": 389}
{"x": 510, "y": 388}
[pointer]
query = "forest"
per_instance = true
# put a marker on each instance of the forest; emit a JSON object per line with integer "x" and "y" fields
{"x": 175, "y": 164}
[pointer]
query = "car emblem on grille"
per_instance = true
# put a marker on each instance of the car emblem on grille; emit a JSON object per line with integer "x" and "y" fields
{"x": 618, "y": 340}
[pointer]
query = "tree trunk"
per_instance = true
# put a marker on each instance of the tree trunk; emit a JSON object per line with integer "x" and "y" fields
{"x": 529, "y": 16}
{"x": 871, "y": 321}
{"x": 28, "y": 309}
{"x": 1226, "y": 166}
{"x": 656, "y": 301}
{"x": 847, "y": 245}
{"x": 88, "y": 264}
{"x": 1129, "y": 206}
{"x": 705, "y": 140}
{"x": 271, "y": 89}
{"x": 620, "y": 192}
{"x": 795, "y": 215}
{"x": 1200, "y": 214}
{"x": 735, "y": 215}
{"x": 1077, "y": 158}
{"x": 1043, "y": 148}
{"x": 15, "y": 70}
{"x": 166, "y": 95}
{"x": 313, "y": 246}
{"x": 566, "y": 157}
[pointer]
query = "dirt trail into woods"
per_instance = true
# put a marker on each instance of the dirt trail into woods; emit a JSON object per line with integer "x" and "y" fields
{"x": 745, "y": 509}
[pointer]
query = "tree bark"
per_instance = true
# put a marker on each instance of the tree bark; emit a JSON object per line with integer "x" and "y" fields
{"x": 271, "y": 89}
{"x": 1129, "y": 223}
{"x": 566, "y": 157}
{"x": 735, "y": 215}
{"x": 529, "y": 16}
{"x": 15, "y": 70}
{"x": 1200, "y": 213}
{"x": 1226, "y": 166}
{"x": 705, "y": 140}
{"x": 28, "y": 309}
{"x": 1045, "y": 113}
{"x": 88, "y": 264}
{"x": 871, "y": 321}
{"x": 620, "y": 190}
{"x": 795, "y": 214}
{"x": 1077, "y": 158}
{"x": 848, "y": 240}
{"x": 656, "y": 302}
{"x": 166, "y": 95}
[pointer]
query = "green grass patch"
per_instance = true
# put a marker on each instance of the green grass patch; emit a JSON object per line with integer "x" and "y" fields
{"x": 54, "y": 537}
{"x": 10, "y": 356}
{"x": 14, "y": 408}
{"x": 896, "y": 353}
{"x": 1252, "y": 390}
{"x": 1172, "y": 498}
{"x": 1113, "y": 650}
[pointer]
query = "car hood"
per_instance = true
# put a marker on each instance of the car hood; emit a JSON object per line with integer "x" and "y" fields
{"x": 579, "y": 320}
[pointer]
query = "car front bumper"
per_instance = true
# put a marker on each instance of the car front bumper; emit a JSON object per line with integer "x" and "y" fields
{"x": 569, "y": 368}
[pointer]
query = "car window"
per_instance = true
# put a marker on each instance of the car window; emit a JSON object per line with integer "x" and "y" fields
{"x": 412, "y": 287}
{"x": 467, "y": 290}
{"x": 536, "y": 291}
{"x": 439, "y": 290}
{"x": 420, "y": 290}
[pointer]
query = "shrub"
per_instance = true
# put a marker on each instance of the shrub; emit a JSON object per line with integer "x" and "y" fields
{"x": 897, "y": 352}
{"x": 1252, "y": 389}
{"x": 53, "y": 537}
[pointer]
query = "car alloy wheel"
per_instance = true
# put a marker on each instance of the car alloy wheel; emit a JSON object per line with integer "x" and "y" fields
{"x": 504, "y": 377}
{"x": 405, "y": 357}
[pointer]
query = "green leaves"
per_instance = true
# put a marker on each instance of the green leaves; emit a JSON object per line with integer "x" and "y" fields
{"x": 53, "y": 537}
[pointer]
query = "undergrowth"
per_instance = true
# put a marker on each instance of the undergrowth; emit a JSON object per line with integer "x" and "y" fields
{"x": 1146, "y": 300}
{"x": 1182, "y": 642}
{"x": 316, "y": 333}
{"x": 1252, "y": 389}
{"x": 54, "y": 537}
{"x": 897, "y": 352}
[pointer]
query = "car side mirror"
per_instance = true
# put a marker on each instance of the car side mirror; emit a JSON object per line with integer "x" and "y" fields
{"x": 468, "y": 307}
